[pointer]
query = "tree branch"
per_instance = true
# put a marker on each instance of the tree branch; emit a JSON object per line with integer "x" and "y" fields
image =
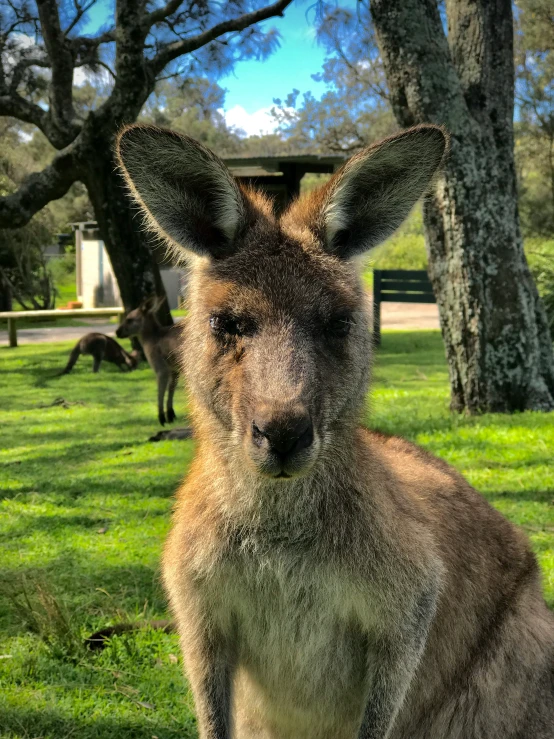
{"x": 17, "y": 107}
{"x": 172, "y": 51}
{"x": 80, "y": 11}
{"x": 61, "y": 58}
{"x": 161, "y": 14}
{"x": 20, "y": 68}
{"x": 422, "y": 80}
{"x": 39, "y": 189}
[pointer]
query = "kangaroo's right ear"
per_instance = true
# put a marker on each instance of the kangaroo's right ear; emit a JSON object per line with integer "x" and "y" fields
{"x": 147, "y": 304}
{"x": 187, "y": 194}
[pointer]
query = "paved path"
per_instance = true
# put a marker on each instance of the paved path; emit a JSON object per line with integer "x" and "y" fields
{"x": 393, "y": 315}
{"x": 409, "y": 315}
{"x": 57, "y": 333}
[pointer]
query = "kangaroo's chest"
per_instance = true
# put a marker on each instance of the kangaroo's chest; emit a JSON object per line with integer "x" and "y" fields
{"x": 300, "y": 637}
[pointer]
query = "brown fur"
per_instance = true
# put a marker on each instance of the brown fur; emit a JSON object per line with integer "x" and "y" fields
{"x": 101, "y": 347}
{"x": 162, "y": 348}
{"x": 352, "y": 585}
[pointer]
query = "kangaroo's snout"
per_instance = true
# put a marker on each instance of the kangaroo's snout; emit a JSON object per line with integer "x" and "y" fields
{"x": 283, "y": 435}
{"x": 281, "y": 440}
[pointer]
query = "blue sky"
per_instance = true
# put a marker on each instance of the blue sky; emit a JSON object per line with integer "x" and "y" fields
{"x": 253, "y": 85}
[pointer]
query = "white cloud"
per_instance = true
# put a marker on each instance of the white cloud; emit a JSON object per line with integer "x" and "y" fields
{"x": 20, "y": 44}
{"x": 258, "y": 123}
{"x": 81, "y": 75}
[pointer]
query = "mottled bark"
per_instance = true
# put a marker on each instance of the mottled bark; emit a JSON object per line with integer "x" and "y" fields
{"x": 59, "y": 50}
{"x": 127, "y": 244}
{"x": 498, "y": 346}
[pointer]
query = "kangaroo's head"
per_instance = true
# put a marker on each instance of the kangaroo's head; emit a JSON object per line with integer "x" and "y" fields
{"x": 133, "y": 323}
{"x": 277, "y": 338}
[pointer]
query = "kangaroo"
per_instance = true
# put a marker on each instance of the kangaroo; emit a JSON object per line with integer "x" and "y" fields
{"x": 100, "y": 347}
{"x": 162, "y": 349}
{"x": 327, "y": 582}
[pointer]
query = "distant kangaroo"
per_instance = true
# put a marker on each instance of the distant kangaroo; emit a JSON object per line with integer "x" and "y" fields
{"x": 327, "y": 582}
{"x": 101, "y": 347}
{"x": 162, "y": 349}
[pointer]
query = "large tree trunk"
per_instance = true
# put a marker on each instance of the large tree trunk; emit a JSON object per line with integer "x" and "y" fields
{"x": 498, "y": 346}
{"x": 127, "y": 242}
{"x": 5, "y": 295}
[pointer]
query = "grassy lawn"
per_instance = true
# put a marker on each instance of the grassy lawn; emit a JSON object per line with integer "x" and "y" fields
{"x": 85, "y": 508}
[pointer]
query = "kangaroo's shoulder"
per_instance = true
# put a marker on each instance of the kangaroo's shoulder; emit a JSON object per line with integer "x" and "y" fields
{"x": 431, "y": 490}
{"x": 413, "y": 473}
{"x": 407, "y": 453}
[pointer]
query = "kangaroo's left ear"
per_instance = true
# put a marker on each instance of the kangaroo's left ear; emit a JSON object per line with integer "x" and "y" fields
{"x": 366, "y": 201}
{"x": 184, "y": 190}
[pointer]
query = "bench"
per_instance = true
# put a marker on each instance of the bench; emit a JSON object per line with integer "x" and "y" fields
{"x": 26, "y": 315}
{"x": 398, "y": 286}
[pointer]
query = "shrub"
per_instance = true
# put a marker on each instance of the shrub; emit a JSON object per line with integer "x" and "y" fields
{"x": 540, "y": 255}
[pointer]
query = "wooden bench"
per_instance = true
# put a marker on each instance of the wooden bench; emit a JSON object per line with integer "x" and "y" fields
{"x": 26, "y": 315}
{"x": 398, "y": 286}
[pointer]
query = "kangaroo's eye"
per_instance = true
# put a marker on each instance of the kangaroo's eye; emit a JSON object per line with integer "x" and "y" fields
{"x": 339, "y": 326}
{"x": 226, "y": 327}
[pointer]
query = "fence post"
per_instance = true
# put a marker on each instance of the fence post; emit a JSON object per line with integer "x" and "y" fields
{"x": 376, "y": 306}
{"x": 12, "y": 331}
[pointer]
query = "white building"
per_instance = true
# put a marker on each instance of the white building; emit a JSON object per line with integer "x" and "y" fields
{"x": 96, "y": 283}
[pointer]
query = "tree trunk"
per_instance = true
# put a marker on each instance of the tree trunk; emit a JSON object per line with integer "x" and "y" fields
{"x": 498, "y": 346}
{"x": 5, "y": 295}
{"x": 127, "y": 243}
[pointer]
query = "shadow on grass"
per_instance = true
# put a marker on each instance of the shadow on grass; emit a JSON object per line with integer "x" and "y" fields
{"x": 49, "y": 724}
{"x": 92, "y": 592}
{"x": 419, "y": 414}
{"x": 49, "y": 523}
{"x": 523, "y": 496}
{"x": 69, "y": 492}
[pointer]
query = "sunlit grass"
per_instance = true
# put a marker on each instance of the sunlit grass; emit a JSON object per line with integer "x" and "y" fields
{"x": 85, "y": 508}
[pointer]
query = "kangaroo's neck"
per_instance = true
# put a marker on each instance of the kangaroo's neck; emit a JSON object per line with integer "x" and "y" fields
{"x": 152, "y": 331}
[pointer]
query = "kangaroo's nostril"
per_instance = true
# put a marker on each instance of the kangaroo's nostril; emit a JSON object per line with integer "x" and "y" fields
{"x": 257, "y": 435}
{"x": 306, "y": 438}
{"x": 283, "y": 435}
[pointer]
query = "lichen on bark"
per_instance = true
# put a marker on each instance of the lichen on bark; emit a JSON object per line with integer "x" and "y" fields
{"x": 497, "y": 343}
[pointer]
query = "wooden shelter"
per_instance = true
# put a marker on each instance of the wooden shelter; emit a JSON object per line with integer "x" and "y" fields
{"x": 280, "y": 176}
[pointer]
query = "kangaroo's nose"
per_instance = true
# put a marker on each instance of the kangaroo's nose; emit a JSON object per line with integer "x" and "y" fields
{"x": 284, "y": 434}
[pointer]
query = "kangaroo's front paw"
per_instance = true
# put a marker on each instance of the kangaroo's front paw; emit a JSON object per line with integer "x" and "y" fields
{"x": 161, "y": 418}
{"x": 171, "y": 415}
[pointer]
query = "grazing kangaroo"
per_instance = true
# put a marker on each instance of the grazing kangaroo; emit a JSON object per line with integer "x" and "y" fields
{"x": 162, "y": 349}
{"x": 327, "y": 582}
{"x": 101, "y": 347}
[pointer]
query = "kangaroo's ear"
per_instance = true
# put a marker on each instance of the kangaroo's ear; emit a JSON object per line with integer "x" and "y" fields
{"x": 374, "y": 192}
{"x": 147, "y": 304}
{"x": 185, "y": 191}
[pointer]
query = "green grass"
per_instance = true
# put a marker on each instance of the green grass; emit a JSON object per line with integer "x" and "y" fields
{"x": 85, "y": 509}
{"x": 64, "y": 279}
